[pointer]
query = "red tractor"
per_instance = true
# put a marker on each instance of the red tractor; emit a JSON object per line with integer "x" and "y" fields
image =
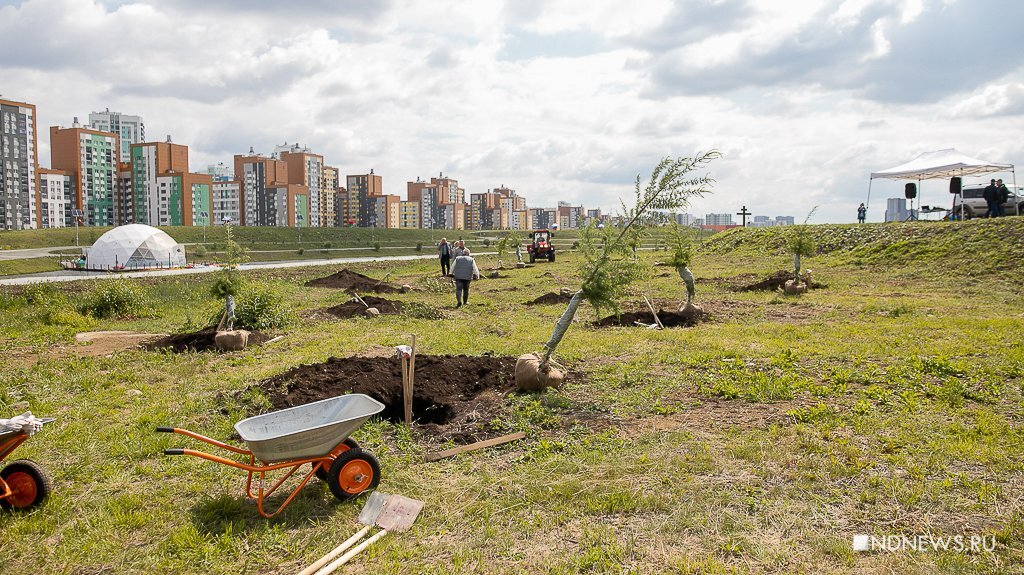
{"x": 540, "y": 246}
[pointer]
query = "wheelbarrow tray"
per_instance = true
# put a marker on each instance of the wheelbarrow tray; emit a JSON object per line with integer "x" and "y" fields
{"x": 311, "y": 430}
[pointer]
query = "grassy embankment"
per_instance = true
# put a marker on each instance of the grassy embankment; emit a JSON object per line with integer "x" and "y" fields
{"x": 758, "y": 442}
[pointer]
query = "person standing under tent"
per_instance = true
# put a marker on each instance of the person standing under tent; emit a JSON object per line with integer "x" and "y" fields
{"x": 1002, "y": 196}
{"x": 862, "y": 213}
{"x": 990, "y": 193}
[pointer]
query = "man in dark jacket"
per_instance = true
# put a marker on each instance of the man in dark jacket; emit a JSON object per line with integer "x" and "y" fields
{"x": 1002, "y": 196}
{"x": 444, "y": 252}
{"x": 990, "y": 193}
{"x": 464, "y": 270}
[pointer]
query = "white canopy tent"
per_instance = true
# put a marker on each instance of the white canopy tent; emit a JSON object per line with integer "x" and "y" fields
{"x": 941, "y": 164}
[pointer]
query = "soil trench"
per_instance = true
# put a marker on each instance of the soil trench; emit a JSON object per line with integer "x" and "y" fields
{"x": 776, "y": 281}
{"x": 354, "y": 308}
{"x": 668, "y": 319}
{"x": 351, "y": 281}
{"x": 202, "y": 340}
{"x": 455, "y": 397}
{"x": 550, "y": 298}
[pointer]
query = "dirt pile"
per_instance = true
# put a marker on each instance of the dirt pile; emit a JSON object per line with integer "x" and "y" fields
{"x": 351, "y": 281}
{"x": 668, "y": 319}
{"x": 776, "y": 281}
{"x": 353, "y": 308}
{"x": 551, "y": 298}
{"x": 202, "y": 340}
{"x": 456, "y": 397}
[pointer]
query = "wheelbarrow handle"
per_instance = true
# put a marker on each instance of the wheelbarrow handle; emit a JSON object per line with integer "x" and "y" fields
{"x": 165, "y": 430}
{"x": 174, "y": 451}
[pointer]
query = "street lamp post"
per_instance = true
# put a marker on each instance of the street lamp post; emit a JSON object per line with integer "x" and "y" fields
{"x": 299, "y": 218}
{"x": 76, "y": 214}
{"x": 206, "y": 217}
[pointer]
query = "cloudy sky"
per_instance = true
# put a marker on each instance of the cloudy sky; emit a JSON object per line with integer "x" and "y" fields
{"x": 559, "y": 100}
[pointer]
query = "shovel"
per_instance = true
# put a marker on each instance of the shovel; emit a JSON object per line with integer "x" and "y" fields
{"x": 387, "y": 511}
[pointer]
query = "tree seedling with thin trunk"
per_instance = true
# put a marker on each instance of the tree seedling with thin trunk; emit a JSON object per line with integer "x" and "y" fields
{"x": 607, "y": 268}
{"x": 801, "y": 244}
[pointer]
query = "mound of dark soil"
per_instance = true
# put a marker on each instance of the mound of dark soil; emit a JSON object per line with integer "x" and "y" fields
{"x": 668, "y": 319}
{"x": 776, "y": 281}
{"x": 201, "y": 340}
{"x": 354, "y": 308}
{"x": 550, "y": 298}
{"x": 349, "y": 280}
{"x": 456, "y": 397}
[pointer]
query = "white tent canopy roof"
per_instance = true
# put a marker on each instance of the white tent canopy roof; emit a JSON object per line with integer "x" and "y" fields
{"x": 135, "y": 246}
{"x": 941, "y": 164}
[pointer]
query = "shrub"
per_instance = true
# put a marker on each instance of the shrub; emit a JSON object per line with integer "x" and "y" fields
{"x": 419, "y": 246}
{"x": 121, "y": 298}
{"x": 376, "y": 246}
{"x": 260, "y": 306}
{"x": 487, "y": 242}
{"x": 302, "y": 251}
{"x": 55, "y": 308}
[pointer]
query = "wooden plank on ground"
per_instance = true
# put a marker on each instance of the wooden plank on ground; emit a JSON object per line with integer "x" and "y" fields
{"x": 474, "y": 446}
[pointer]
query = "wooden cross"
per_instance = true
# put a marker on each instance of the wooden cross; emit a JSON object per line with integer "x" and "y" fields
{"x": 744, "y": 213}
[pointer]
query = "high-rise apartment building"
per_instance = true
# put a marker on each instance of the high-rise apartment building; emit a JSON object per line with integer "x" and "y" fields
{"x": 226, "y": 202}
{"x": 56, "y": 199}
{"x": 329, "y": 213}
{"x": 307, "y": 169}
{"x": 90, "y": 157}
{"x": 361, "y": 188}
{"x": 718, "y": 219}
{"x": 18, "y": 165}
{"x": 220, "y": 172}
{"x": 151, "y": 204}
{"x": 281, "y": 205}
{"x": 409, "y": 214}
{"x": 256, "y": 173}
{"x": 129, "y": 129}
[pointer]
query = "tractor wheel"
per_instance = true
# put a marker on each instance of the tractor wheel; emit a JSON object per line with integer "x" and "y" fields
{"x": 353, "y": 472}
{"x": 322, "y": 473}
{"x": 551, "y": 256}
{"x": 29, "y": 483}
{"x": 533, "y": 257}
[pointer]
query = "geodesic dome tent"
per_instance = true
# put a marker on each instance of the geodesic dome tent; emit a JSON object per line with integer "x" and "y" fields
{"x": 134, "y": 246}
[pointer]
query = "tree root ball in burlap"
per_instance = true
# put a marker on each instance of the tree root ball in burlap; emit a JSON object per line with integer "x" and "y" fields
{"x": 371, "y": 312}
{"x": 520, "y": 265}
{"x": 531, "y": 377}
{"x": 691, "y": 311}
{"x": 794, "y": 288}
{"x": 234, "y": 340}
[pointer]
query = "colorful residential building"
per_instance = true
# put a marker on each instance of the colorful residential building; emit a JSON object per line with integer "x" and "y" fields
{"x": 329, "y": 182}
{"x": 256, "y": 173}
{"x": 18, "y": 165}
{"x": 307, "y": 169}
{"x": 183, "y": 199}
{"x": 129, "y": 129}
{"x": 408, "y": 214}
{"x": 226, "y": 202}
{"x": 360, "y": 188}
{"x": 150, "y": 204}
{"x": 90, "y": 157}
{"x": 56, "y": 199}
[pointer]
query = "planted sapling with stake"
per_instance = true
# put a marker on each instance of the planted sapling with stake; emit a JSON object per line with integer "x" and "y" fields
{"x": 681, "y": 243}
{"x": 800, "y": 244}
{"x": 226, "y": 286}
{"x": 512, "y": 240}
{"x": 611, "y": 265}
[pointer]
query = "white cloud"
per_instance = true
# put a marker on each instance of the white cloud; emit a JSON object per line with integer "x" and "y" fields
{"x": 559, "y": 100}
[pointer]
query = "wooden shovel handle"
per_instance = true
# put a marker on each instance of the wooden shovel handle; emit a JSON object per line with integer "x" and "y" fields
{"x": 358, "y": 549}
{"x": 335, "y": 552}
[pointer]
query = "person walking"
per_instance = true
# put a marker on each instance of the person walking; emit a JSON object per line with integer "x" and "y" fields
{"x": 444, "y": 252}
{"x": 1002, "y": 196}
{"x": 460, "y": 249}
{"x": 862, "y": 213}
{"x": 990, "y": 193}
{"x": 464, "y": 270}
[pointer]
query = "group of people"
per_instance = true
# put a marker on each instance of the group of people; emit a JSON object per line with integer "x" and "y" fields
{"x": 995, "y": 195}
{"x": 457, "y": 262}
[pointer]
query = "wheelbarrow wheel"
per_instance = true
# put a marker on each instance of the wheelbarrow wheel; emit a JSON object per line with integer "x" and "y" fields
{"x": 323, "y": 472}
{"x": 352, "y": 473}
{"x": 29, "y": 484}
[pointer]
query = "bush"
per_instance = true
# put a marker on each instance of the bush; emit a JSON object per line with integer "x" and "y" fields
{"x": 419, "y": 246}
{"x": 487, "y": 242}
{"x": 260, "y": 306}
{"x": 376, "y": 246}
{"x": 302, "y": 251}
{"x": 55, "y": 308}
{"x": 121, "y": 298}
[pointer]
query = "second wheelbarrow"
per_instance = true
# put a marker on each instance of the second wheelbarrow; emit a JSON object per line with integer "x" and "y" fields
{"x": 316, "y": 434}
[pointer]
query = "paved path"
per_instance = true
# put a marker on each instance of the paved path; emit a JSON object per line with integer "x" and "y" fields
{"x": 7, "y": 255}
{"x": 68, "y": 276}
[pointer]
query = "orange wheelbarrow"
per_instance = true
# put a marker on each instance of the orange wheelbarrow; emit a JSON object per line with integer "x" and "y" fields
{"x": 23, "y": 483}
{"x": 316, "y": 434}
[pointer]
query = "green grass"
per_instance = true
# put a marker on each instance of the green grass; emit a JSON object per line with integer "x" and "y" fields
{"x": 29, "y": 266}
{"x": 758, "y": 442}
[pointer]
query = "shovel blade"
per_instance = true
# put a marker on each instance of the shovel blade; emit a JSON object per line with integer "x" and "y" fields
{"x": 390, "y": 512}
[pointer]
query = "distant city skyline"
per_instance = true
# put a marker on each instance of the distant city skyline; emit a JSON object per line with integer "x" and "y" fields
{"x": 804, "y": 100}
